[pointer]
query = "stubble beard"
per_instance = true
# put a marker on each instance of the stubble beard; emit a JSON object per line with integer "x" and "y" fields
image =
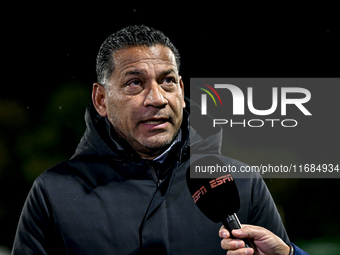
{"x": 156, "y": 143}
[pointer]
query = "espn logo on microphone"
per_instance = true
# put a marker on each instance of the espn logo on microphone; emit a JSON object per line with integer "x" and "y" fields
{"x": 212, "y": 184}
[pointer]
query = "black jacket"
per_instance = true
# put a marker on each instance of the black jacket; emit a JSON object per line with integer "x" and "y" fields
{"x": 106, "y": 200}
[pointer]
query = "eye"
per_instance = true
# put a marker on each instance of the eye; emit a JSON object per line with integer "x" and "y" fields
{"x": 134, "y": 83}
{"x": 169, "y": 84}
{"x": 133, "y": 87}
{"x": 168, "y": 80}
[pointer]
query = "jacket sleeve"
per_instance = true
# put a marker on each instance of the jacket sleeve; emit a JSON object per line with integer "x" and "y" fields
{"x": 35, "y": 231}
{"x": 298, "y": 251}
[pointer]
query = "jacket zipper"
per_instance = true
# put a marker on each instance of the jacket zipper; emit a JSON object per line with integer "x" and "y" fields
{"x": 154, "y": 175}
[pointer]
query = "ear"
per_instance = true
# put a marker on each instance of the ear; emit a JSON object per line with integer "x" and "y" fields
{"x": 182, "y": 88}
{"x": 99, "y": 98}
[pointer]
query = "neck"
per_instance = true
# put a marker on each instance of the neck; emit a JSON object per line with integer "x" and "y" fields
{"x": 149, "y": 156}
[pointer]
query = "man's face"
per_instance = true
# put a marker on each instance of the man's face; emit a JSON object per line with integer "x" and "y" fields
{"x": 145, "y": 98}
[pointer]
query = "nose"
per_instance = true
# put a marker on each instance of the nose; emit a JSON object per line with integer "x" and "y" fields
{"x": 155, "y": 97}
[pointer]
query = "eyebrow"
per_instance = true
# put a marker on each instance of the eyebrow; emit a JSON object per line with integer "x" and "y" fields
{"x": 140, "y": 72}
{"x": 134, "y": 72}
{"x": 167, "y": 72}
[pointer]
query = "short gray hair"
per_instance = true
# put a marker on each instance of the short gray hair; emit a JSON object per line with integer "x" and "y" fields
{"x": 138, "y": 35}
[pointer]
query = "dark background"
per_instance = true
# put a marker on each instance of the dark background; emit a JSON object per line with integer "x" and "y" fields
{"x": 48, "y": 70}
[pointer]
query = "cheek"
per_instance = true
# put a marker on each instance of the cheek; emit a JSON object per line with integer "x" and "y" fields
{"x": 115, "y": 96}
{"x": 178, "y": 105}
{"x": 115, "y": 111}
{"x": 122, "y": 113}
{"x": 177, "y": 109}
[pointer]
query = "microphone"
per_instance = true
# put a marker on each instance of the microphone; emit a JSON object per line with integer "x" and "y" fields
{"x": 217, "y": 198}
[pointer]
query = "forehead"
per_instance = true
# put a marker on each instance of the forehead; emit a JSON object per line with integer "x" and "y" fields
{"x": 144, "y": 55}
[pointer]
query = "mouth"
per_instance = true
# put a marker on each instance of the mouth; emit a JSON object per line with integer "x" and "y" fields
{"x": 156, "y": 123}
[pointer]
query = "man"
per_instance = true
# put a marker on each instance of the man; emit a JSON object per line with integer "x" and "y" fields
{"x": 124, "y": 191}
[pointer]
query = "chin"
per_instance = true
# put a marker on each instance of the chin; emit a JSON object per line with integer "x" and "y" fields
{"x": 158, "y": 143}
